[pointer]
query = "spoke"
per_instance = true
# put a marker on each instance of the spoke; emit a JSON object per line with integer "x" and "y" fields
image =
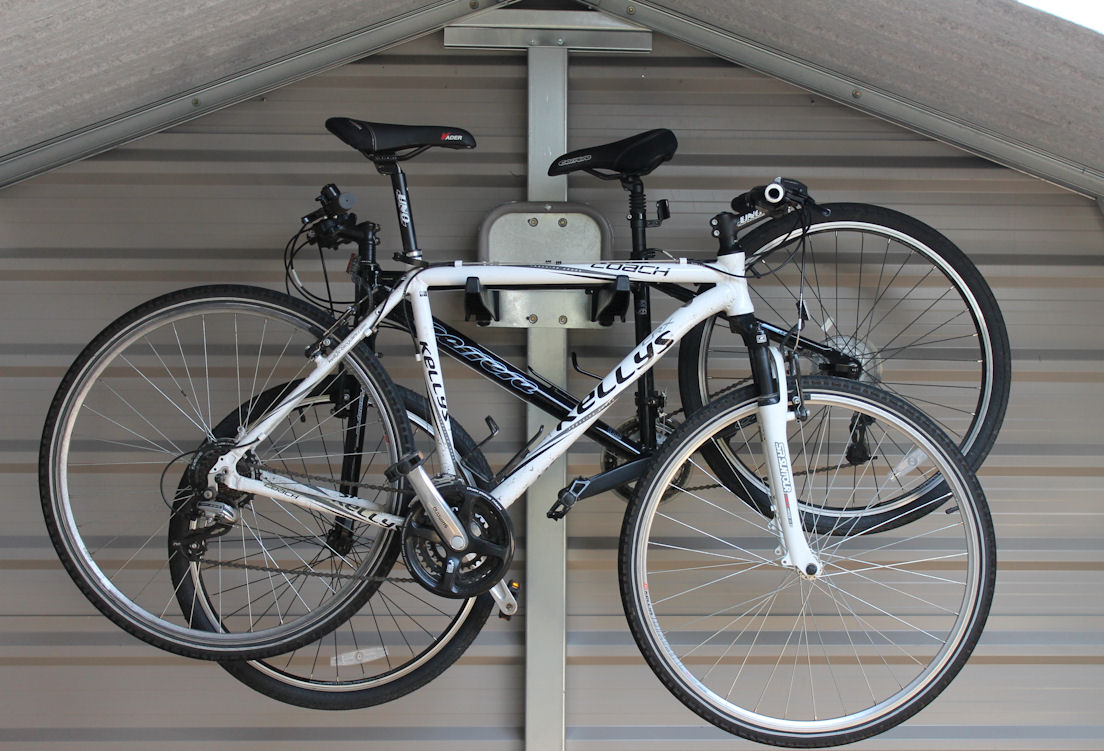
{"x": 752, "y": 567}
{"x": 668, "y": 546}
{"x": 753, "y": 604}
{"x": 916, "y": 341}
{"x": 199, "y": 424}
{"x": 188, "y": 376}
{"x": 207, "y": 371}
{"x": 157, "y": 448}
{"x": 897, "y": 568}
{"x": 785, "y": 645}
{"x": 721, "y": 540}
{"x": 882, "y": 611}
{"x": 935, "y": 502}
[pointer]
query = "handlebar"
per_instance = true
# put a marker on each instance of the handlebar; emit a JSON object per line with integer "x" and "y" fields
{"x": 773, "y": 198}
{"x": 333, "y": 223}
{"x": 334, "y": 203}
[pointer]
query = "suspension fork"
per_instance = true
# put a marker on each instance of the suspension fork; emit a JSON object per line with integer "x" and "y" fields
{"x": 769, "y": 375}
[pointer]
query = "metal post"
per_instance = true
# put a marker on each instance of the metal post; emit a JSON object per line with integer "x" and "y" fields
{"x": 546, "y": 541}
{"x": 547, "y": 35}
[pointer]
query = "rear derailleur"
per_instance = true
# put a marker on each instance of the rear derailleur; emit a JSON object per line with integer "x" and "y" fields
{"x": 211, "y": 512}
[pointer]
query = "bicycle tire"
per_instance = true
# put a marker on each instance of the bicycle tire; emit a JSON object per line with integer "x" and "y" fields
{"x": 774, "y": 656}
{"x": 888, "y": 290}
{"x": 363, "y": 663}
{"x": 137, "y": 407}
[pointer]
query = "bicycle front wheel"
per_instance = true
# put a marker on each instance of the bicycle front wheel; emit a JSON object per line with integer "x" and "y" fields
{"x": 887, "y": 291}
{"x": 770, "y": 654}
{"x": 157, "y": 397}
{"x": 402, "y": 637}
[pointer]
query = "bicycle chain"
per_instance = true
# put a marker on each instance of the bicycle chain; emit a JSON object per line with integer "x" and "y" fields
{"x": 301, "y": 572}
{"x": 316, "y": 478}
{"x": 803, "y": 473}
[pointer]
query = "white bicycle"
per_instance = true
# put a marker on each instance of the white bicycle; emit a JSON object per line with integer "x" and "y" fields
{"x": 227, "y": 473}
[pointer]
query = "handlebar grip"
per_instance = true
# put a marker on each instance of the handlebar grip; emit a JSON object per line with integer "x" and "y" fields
{"x": 333, "y": 201}
{"x": 773, "y": 194}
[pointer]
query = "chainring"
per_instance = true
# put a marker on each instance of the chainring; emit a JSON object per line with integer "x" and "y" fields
{"x": 475, "y": 569}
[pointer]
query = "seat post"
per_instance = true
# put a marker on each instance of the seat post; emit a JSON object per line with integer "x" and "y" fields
{"x": 647, "y": 399}
{"x": 638, "y": 215}
{"x": 403, "y": 208}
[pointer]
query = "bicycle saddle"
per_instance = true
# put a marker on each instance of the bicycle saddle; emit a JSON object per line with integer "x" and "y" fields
{"x": 381, "y": 138}
{"x": 633, "y": 156}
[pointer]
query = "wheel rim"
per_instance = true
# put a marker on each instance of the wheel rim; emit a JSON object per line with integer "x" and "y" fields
{"x": 867, "y": 641}
{"x": 152, "y": 394}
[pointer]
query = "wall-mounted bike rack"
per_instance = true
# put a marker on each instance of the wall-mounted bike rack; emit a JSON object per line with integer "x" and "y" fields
{"x": 547, "y": 36}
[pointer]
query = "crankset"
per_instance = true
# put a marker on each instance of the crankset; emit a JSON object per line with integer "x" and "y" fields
{"x": 469, "y": 571}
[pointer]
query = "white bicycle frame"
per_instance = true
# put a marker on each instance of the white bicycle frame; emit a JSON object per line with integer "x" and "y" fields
{"x": 729, "y": 294}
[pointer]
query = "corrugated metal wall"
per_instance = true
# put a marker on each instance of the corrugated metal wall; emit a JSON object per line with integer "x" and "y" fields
{"x": 215, "y": 201}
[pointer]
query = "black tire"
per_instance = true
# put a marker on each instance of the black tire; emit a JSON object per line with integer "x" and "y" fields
{"x": 770, "y": 654}
{"x": 136, "y": 411}
{"x": 412, "y": 647}
{"x": 888, "y": 290}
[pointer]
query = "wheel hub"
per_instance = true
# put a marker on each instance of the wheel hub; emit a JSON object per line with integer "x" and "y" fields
{"x": 200, "y": 467}
{"x": 860, "y": 350}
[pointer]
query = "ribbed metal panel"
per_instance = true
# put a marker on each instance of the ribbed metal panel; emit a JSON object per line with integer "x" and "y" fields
{"x": 216, "y": 200}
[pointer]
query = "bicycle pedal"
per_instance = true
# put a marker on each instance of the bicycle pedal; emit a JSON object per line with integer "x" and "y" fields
{"x": 515, "y": 589}
{"x": 568, "y": 497}
{"x": 406, "y": 464}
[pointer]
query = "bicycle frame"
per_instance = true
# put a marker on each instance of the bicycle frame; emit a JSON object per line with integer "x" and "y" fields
{"x": 728, "y": 295}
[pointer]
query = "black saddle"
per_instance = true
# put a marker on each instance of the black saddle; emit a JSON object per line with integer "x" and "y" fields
{"x": 373, "y": 139}
{"x": 634, "y": 156}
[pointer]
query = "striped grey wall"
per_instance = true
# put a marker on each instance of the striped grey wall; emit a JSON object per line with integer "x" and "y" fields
{"x": 215, "y": 201}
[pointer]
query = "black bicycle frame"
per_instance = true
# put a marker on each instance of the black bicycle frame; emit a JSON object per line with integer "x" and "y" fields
{"x": 528, "y": 387}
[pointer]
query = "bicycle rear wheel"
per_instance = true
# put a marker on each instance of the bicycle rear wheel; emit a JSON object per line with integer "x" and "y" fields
{"x": 403, "y": 636}
{"x": 886, "y": 290}
{"x": 769, "y": 654}
{"x": 141, "y": 407}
